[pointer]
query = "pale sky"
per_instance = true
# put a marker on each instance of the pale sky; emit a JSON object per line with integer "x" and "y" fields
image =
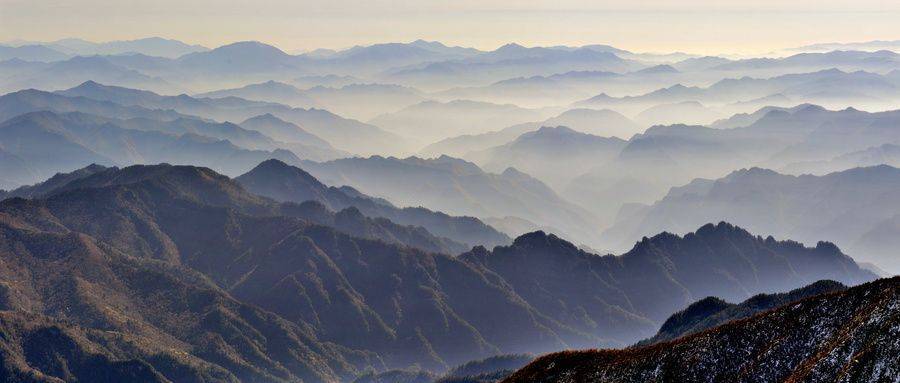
{"x": 695, "y": 26}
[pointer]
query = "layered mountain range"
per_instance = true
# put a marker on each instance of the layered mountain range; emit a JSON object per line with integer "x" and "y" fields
{"x": 422, "y": 213}
{"x": 346, "y": 134}
{"x": 667, "y": 156}
{"x": 857, "y": 209}
{"x": 175, "y": 272}
{"x": 458, "y": 187}
{"x": 282, "y": 182}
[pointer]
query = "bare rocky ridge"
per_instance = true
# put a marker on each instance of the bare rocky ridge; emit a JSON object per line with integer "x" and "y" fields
{"x": 849, "y": 336}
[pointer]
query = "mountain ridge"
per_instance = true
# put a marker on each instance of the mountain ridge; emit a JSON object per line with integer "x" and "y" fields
{"x": 851, "y": 329}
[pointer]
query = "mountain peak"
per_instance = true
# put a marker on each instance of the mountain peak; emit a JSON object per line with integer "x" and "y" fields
{"x": 89, "y": 84}
{"x": 828, "y": 247}
{"x": 538, "y": 236}
{"x": 539, "y": 240}
{"x": 510, "y": 47}
{"x": 283, "y": 182}
{"x": 265, "y": 117}
{"x": 662, "y": 68}
{"x": 279, "y": 169}
{"x": 249, "y": 46}
{"x": 722, "y": 228}
{"x": 272, "y": 164}
{"x": 809, "y": 109}
{"x": 752, "y": 172}
{"x": 555, "y": 130}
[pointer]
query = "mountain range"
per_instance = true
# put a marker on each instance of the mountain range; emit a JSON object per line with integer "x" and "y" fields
{"x": 76, "y": 70}
{"x": 416, "y": 212}
{"x": 356, "y": 100}
{"x": 458, "y": 187}
{"x": 829, "y": 87}
{"x": 47, "y": 142}
{"x": 606, "y": 123}
{"x": 886, "y": 154}
{"x": 667, "y": 156}
{"x": 856, "y": 208}
{"x": 509, "y": 61}
{"x": 537, "y": 153}
{"x": 282, "y": 182}
{"x": 344, "y": 133}
{"x": 178, "y": 272}
{"x": 37, "y": 53}
{"x": 878, "y": 61}
{"x": 150, "y": 46}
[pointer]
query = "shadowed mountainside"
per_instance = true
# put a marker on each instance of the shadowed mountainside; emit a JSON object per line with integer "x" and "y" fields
{"x": 282, "y": 182}
{"x": 235, "y": 286}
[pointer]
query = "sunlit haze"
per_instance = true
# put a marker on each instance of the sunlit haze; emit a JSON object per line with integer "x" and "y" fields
{"x": 469, "y": 191}
{"x": 696, "y": 26}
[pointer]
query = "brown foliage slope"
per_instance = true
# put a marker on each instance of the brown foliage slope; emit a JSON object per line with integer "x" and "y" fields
{"x": 852, "y": 336}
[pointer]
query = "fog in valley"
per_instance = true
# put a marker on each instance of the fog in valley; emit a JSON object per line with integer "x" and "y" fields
{"x": 582, "y": 192}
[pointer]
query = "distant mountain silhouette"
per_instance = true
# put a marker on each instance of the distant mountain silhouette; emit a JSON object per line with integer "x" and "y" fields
{"x": 355, "y": 100}
{"x": 150, "y": 46}
{"x": 538, "y": 153}
{"x": 847, "y": 207}
{"x": 15, "y": 171}
{"x": 667, "y": 156}
{"x": 700, "y": 63}
{"x": 875, "y": 45}
{"x": 845, "y": 334}
{"x": 887, "y": 154}
{"x": 282, "y": 182}
{"x": 343, "y": 133}
{"x": 457, "y": 187}
{"x": 240, "y": 58}
{"x": 71, "y": 72}
{"x": 535, "y": 91}
{"x": 269, "y": 91}
{"x": 658, "y": 69}
{"x": 365, "y": 101}
{"x": 49, "y": 143}
{"x": 828, "y": 87}
{"x": 509, "y": 61}
{"x": 844, "y": 60}
{"x": 31, "y": 53}
{"x": 330, "y": 80}
{"x": 27, "y": 101}
{"x": 605, "y": 123}
{"x": 687, "y": 112}
{"x": 376, "y": 58}
{"x": 283, "y": 131}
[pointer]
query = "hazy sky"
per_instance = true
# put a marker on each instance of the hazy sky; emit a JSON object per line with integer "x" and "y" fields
{"x": 697, "y": 26}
